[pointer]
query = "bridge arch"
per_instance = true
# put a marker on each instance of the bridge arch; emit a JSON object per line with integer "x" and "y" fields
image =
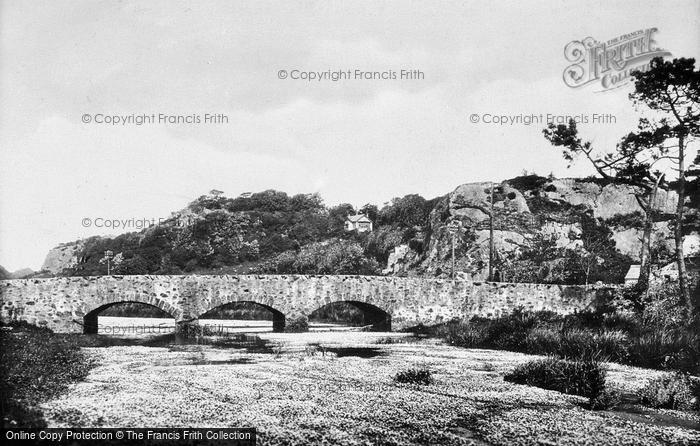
{"x": 375, "y": 317}
{"x": 90, "y": 325}
{"x": 278, "y": 318}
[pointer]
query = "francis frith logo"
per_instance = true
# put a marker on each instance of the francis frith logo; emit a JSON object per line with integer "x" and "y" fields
{"x": 609, "y": 64}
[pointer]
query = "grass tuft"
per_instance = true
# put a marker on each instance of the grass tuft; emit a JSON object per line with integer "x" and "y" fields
{"x": 414, "y": 376}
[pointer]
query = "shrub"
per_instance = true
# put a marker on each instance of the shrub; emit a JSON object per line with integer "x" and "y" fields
{"x": 584, "y": 378}
{"x": 544, "y": 340}
{"x": 666, "y": 349}
{"x": 35, "y": 365}
{"x": 662, "y": 307}
{"x": 464, "y": 334}
{"x": 578, "y": 343}
{"x": 510, "y": 332}
{"x": 656, "y": 338}
{"x": 414, "y": 376}
{"x": 527, "y": 182}
{"x": 611, "y": 315}
{"x": 607, "y": 399}
{"x": 671, "y": 391}
{"x": 332, "y": 256}
{"x": 506, "y": 332}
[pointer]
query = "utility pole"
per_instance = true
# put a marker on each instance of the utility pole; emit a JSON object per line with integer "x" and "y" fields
{"x": 108, "y": 256}
{"x": 453, "y": 227}
{"x": 491, "y": 238}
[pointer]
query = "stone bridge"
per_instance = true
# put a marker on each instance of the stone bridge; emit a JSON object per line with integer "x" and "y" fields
{"x": 72, "y": 304}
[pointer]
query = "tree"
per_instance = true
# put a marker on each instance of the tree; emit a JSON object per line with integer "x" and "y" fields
{"x": 335, "y": 256}
{"x": 618, "y": 167}
{"x": 408, "y": 211}
{"x": 337, "y": 216}
{"x": 671, "y": 91}
{"x": 371, "y": 211}
{"x": 532, "y": 262}
{"x": 596, "y": 257}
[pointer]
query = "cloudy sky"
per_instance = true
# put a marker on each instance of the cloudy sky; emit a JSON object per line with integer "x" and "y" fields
{"x": 353, "y": 140}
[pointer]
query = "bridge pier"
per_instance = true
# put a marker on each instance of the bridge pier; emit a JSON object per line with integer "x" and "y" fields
{"x": 278, "y": 322}
{"x": 187, "y": 328}
{"x": 90, "y": 323}
{"x": 296, "y": 321}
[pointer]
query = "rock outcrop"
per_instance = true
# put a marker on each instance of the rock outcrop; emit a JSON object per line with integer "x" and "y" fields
{"x": 532, "y": 210}
{"x": 63, "y": 256}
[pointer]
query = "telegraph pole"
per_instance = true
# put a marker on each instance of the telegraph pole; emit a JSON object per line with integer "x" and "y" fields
{"x": 491, "y": 238}
{"x": 453, "y": 256}
{"x": 453, "y": 227}
{"x": 108, "y": 256}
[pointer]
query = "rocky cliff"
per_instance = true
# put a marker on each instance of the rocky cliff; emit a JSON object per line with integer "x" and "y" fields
{"x": 542, "y": 227}
{"x": 63, "y": 256}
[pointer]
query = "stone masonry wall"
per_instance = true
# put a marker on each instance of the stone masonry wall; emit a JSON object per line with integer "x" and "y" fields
{"x": 62, "y": 303}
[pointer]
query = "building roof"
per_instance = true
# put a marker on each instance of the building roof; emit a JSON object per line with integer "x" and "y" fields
{"x": 358, "y": 218}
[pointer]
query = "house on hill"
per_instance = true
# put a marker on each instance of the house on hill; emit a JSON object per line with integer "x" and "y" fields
{"x": 359, "y": 223}
{"x": 633, "y": 273}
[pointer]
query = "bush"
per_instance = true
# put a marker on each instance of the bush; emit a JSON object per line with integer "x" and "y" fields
{"x": 510, "y": 332}
{"x": 663, "y": 308}
{"x": 666, "y": 349}
{"x": 607, "y": 399}
{"x": 605, "y": 345}
{"x": 414, "y": 376}
{"x": 506, "y": 332}
{"x": 35, "y": 365}
{"x": 671, "y": 391}
{"x": 332, "y": 256}
{"x": 653, "y": 339}
{"x": 527, "y": 182}
{"x": 584, "y": 378}
{"x": 463, "y": 334}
